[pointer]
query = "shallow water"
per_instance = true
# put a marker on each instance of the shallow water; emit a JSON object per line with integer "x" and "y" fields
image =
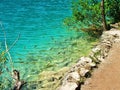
{"x": 44, "y": 41}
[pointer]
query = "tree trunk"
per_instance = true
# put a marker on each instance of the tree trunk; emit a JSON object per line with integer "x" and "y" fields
{"x": 103, "y": 15}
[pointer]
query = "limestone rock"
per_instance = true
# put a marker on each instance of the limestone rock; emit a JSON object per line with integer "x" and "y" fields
{"x": 69, "y": 86}
{"x": 84, "y": 65}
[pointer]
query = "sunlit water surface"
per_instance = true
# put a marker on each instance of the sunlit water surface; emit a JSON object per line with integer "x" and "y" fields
{"x": 44, "y": 43}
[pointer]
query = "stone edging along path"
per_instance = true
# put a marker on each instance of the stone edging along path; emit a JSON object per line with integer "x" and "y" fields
{"x": 79, "y": 72}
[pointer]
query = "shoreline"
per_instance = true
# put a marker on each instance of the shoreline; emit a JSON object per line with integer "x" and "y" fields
{"x": 82, "y": 70}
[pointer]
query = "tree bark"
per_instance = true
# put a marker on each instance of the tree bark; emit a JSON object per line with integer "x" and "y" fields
{"x": 103, "y": 15}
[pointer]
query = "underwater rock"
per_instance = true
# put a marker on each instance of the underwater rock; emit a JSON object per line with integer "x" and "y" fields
{"x": 51, "y": 79}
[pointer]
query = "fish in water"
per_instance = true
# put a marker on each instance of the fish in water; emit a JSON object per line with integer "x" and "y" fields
{"x": 20, "y": 58}
{"x": 35, "y": 46}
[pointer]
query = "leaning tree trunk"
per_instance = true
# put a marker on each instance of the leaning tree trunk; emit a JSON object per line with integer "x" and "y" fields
{"x": 103, "y": 15}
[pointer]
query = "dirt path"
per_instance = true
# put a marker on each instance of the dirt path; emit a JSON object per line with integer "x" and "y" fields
{"x": 107, "y": 76}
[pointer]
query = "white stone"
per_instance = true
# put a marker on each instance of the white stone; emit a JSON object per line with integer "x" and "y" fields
{"x": 95, "y": 49}
{"x": 83, "y": 71}
{"x": 86, "y": 61}
{"x": 69, "y": 86}
{"x": 75, "y": 75}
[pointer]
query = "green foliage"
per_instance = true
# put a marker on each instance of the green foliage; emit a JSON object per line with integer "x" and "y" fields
{"x": 86, "y": 10}
{"x": 86, "y": 15}
{"x": 113, "y": 10}
{"x": 93, "y": 31}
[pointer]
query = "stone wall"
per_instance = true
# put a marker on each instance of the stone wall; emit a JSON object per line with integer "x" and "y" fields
{"x": 83, "y": 68}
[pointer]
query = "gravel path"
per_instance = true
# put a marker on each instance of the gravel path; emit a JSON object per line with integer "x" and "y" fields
{"x": 107, "y": 76}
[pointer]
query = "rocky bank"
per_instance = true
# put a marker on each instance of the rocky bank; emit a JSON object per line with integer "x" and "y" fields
{"x": 72, "y": 78}
{"x": 76, "y": 76}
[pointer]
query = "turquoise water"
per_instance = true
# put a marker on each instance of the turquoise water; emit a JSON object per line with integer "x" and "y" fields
{"x": 41, "y": 29}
